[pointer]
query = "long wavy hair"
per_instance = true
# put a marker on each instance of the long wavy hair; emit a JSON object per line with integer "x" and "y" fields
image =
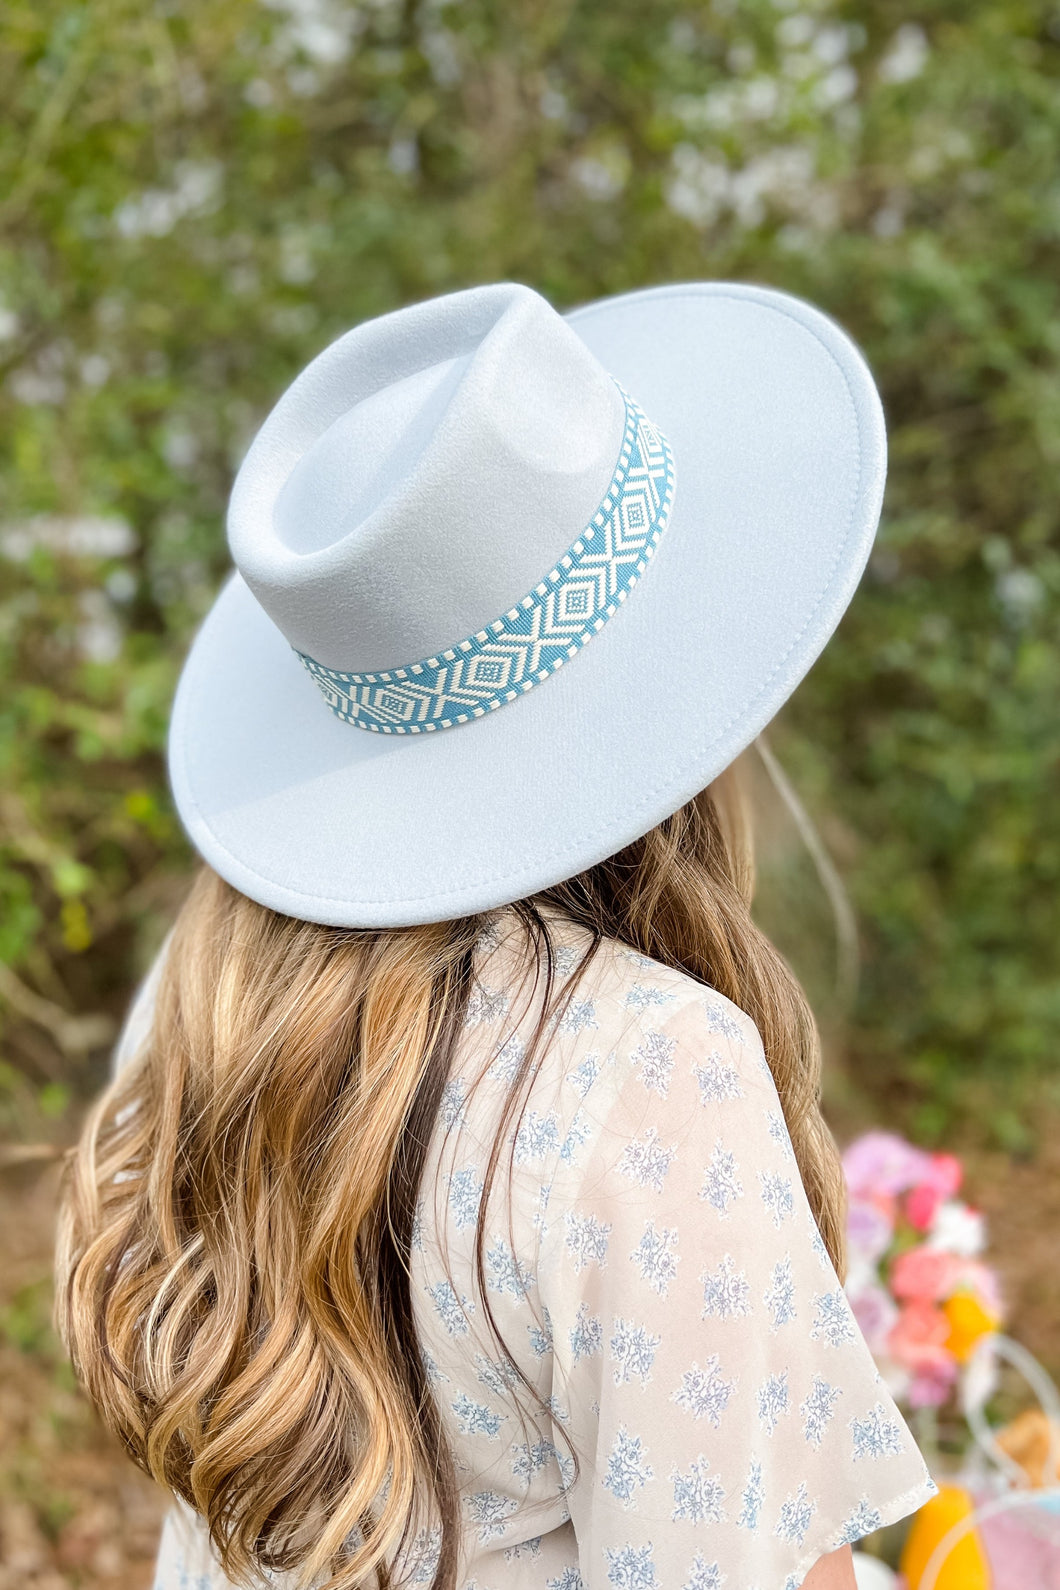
{"x": 234, "y": 1242}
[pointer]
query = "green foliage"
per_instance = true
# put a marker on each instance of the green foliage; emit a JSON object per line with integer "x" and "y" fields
{"x": 25, "y": 1322}
{"x": 195, "y": 197}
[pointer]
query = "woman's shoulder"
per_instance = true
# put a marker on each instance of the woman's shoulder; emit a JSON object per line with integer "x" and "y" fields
{"x": 632, "y": 1013}
{"x": 657, "y": 992}
{"x": 616, "y": 973}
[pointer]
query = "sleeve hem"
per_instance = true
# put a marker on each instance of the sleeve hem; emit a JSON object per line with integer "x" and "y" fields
{"x": 846, "y": 1534}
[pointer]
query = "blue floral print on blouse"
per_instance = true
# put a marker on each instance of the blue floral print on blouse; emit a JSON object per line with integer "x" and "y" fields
{"x": 708, "y": 1414}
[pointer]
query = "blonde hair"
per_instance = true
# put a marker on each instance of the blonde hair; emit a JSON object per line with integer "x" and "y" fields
{"x": 233, "y": 1255}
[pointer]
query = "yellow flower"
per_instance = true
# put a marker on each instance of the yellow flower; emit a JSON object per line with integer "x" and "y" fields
{"x": 968, "y": 1321}
{"x": 965, "y": 1568}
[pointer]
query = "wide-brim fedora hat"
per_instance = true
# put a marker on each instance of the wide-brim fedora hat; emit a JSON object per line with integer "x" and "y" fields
{"x": 511, "y": 586}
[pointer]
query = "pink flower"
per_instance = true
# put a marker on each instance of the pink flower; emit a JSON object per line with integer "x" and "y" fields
{"x": 869, "y": 1231}
{"x": 885, "y": 1204}
{"x": 876, "y": 1314}
{"x": 945, "y": 1175}
{"x": 921, "y": 1206}
{"x": 932, "y": 1384}
{"x": 918, "y": 1338}
{"x": 882, "y": 1162}
{"x": 939, "y": 1183}
{"x": 924, "y": 1275}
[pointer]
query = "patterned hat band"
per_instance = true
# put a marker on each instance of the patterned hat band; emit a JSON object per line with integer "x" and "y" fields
{"x": 551, "y": 623}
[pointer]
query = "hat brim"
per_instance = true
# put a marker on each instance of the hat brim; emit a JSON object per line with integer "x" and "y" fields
{"x": 779, "y": 449}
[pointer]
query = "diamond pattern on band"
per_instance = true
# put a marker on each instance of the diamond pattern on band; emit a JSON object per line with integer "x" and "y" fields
{"x": 549, "y": 625}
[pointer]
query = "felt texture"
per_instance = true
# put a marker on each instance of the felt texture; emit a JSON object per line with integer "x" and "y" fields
{"x": 779, "y": 449}
{"x": 419, "y": 509}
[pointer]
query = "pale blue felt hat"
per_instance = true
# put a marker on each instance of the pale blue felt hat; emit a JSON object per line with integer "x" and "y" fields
{"x": 512, "y": 586}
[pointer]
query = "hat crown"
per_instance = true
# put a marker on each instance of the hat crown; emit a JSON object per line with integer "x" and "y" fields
{"x": 422, "y": 474}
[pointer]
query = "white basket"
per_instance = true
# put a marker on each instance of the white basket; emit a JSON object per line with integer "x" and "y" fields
{"x": 976, "y": 1384}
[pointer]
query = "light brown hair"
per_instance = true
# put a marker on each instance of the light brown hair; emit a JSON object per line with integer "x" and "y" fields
{"x": 234, "y": 1245}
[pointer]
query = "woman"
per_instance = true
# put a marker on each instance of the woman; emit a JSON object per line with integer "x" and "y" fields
{"x": 464, "y": 1215}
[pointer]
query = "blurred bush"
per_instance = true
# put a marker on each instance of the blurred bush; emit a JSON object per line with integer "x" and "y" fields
{"x": 196, "y": 195}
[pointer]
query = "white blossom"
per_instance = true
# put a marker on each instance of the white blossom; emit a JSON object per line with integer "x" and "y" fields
{"x": 905, "y": 56}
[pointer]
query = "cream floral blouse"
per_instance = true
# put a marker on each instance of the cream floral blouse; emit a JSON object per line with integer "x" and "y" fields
{"x": 709, "y": 1415}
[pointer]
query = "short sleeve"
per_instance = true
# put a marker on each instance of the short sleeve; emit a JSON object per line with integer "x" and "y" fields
{"x": 729, "y": 1423}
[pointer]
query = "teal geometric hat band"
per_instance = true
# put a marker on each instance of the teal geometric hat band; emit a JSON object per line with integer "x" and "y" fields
{"x": 551, "y": 623}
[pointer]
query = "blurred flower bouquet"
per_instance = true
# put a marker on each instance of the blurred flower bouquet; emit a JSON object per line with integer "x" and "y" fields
{"x": 920, "y": 1292}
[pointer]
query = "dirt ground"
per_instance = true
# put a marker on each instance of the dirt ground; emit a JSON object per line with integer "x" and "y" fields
{"x": 76, "y": 1515}
{"x": 74, "y": 1512}
{"x": 1021, "y": 1201}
